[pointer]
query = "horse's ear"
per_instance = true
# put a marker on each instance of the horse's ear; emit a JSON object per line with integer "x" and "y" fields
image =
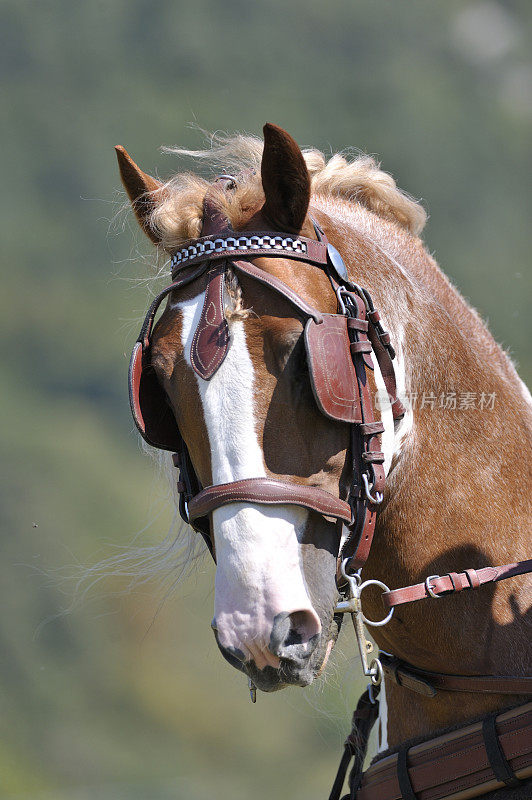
{"x": 140, "y": 188}
{"x": 285, "y": 180}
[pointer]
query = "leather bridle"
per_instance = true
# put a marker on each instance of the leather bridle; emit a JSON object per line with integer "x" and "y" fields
{"x": 350, "y": 336}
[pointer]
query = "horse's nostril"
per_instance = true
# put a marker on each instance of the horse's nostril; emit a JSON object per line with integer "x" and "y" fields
{"x": 295, "y": 636}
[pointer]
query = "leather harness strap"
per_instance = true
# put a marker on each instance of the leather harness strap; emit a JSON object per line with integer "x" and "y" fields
{"x": 496, "y": 755}
{"x": 384, "y": 352}
{"x": 180, "y": 281}
{"x": 426, "y": 682}
{"x": 251, "y": 244}
{"x": 356, "y": 744}
{"x": 278, "y": 286}
{"x": 365, "y": 450}
{"x": 438, "y": 586}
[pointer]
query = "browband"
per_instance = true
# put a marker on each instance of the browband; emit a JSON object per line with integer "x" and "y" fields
{"x": 282, "y": 245}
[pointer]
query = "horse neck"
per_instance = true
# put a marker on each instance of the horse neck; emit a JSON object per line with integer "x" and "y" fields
{"x": 458, "y": 484}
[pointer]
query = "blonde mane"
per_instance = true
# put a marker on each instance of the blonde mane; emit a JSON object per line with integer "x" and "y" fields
{"x": 178, "y": 212}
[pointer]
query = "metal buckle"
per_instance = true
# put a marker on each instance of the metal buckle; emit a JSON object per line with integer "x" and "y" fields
{"x": 377, "y": 500}
{"x": 429, "y": 588}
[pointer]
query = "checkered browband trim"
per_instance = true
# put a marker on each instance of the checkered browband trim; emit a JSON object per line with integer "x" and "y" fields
{"x": 232, "y": 245}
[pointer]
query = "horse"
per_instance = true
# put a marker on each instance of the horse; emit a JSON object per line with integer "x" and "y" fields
{"x": 243, "y": 380}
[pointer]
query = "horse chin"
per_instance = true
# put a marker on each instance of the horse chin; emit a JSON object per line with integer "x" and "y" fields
{"x": 269, "y": 679}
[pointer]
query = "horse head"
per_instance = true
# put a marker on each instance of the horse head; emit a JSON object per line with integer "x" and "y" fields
{"x": 255, "y": 415}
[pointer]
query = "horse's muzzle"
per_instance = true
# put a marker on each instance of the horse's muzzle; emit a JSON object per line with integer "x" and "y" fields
{"x": 299, "y": 671}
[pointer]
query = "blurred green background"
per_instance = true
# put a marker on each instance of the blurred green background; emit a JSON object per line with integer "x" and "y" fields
{"x": 125, "y": 696}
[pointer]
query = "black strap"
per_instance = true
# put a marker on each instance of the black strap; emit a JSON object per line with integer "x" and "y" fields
{"x": 356, "y": 744}
{"x": 403, "y": 776}
{"x": 188, "y": 486}
{"x": 498, "y": 762}
{"x": 342, "y": 771}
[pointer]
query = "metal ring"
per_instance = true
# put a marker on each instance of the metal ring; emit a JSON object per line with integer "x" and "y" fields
{"x": 377, "y": 677}
{"x": 377, "y": 500}
{"x": 429, "y": 588}
{"x": 354, "y": 577}
{"x": 362, "y": 295}
{"x": 387, "y": 618}
{"x": 341, "y": 303}
{"x": 224, "y": 177}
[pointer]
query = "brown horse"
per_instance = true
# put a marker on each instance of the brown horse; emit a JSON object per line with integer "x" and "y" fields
{"x": 457, "y": 463}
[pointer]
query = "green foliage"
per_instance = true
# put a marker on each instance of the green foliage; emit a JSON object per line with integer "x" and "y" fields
{"x": 99, "y": 703}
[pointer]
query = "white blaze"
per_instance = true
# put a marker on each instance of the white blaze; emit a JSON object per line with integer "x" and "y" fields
{"x": 259, "y": 572}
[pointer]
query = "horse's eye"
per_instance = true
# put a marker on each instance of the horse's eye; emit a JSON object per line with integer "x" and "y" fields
{"x": 299, "y": 360}
{"x": 296, "y": 367}
{"x": 289, "y": 355}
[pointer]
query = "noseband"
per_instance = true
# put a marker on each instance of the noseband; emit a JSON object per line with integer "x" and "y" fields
{"x": 338, "y": 348}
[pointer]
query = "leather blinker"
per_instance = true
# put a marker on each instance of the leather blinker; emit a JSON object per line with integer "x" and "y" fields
{"x": 332, "y": 374}
{"x": 151, "y": 411}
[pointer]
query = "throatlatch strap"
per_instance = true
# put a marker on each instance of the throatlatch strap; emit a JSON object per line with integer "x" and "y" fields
{"x": 498, "y": 762}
